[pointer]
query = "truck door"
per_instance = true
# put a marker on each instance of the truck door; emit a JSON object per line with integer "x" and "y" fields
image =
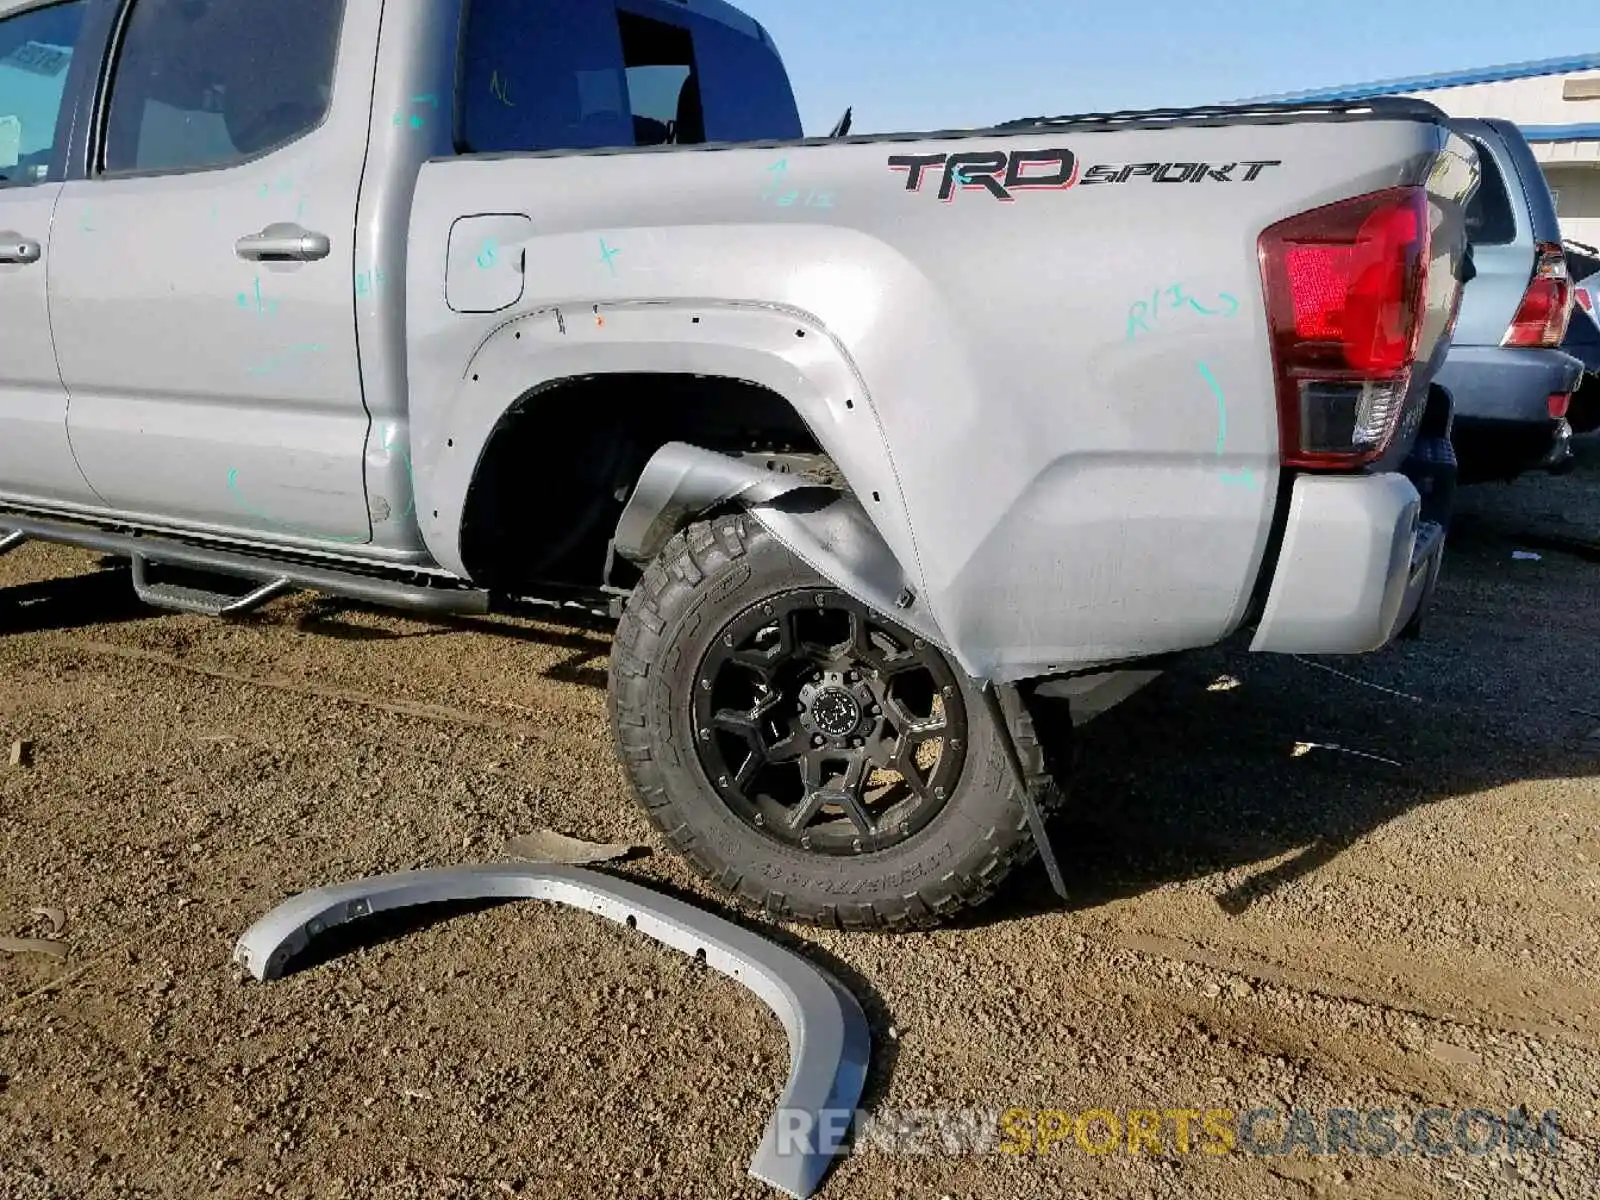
{"x": 36, "y": 49}
{"x": 201, "y": 291}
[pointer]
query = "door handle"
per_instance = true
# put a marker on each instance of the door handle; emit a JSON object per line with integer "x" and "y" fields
{"x": 283, "y": 240}
{"x": 14, "y": 248}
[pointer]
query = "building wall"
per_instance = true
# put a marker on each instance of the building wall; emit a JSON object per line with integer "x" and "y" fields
{"x": 1572, "y": 167}
{"x": 1529, "y": 102}
{"x": 1577, "y": 190}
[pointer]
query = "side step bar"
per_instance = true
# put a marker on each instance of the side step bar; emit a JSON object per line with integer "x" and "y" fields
{"x": 273, "y": 578}
{"x": 197, "y": 600}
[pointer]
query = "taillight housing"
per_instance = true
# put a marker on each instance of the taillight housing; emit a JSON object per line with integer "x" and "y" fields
{"x": 1546, "y": 308}
{"x": 1346, "y": 288}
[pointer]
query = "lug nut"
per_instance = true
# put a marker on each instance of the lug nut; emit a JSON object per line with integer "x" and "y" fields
{"x": 818, "y": 740}
{"x": 759, "y": 819}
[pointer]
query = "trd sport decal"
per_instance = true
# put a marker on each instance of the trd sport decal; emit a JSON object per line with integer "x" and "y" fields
{"x": 1000, "y": 174}
{"x": 994, "y": 172}
{"x": 1179, "y": 172}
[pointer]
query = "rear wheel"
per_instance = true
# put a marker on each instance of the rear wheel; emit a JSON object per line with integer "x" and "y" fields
{"x": 806, "y": 753}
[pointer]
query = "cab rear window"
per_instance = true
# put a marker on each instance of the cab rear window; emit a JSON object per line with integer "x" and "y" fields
{"x": 595, "y": 74}
{"x": 1490, "y": 220}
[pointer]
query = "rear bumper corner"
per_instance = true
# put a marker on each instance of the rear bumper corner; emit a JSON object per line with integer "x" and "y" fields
{"x": 1358, "y": 565}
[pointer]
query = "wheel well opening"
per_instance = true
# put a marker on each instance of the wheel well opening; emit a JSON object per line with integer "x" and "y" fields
{"x": 553, "y": 478}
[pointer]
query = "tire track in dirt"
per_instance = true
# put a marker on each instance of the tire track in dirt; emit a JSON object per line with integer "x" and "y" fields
{"x": 1583, "y": 1033}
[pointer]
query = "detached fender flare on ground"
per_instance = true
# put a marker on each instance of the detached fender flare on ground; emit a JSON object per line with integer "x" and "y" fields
{"x": 830, "y": 1044}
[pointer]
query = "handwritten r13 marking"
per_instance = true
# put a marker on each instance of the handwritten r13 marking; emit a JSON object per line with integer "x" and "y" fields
{"x": 1141, "y": 313}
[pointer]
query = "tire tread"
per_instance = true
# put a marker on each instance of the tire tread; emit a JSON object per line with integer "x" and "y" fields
{"x": 690, "y": 559}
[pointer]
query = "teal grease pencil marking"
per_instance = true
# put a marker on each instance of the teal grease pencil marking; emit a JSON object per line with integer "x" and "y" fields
{"x": 233, "y": 486}
{"x": 1244, "y": 478}
{"x": 1222, "y": 407}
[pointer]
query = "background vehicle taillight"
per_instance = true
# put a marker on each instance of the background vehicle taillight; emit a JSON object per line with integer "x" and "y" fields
{"x": 1346, "y": 286}
{"x": 1546, "y": 308}
{"x": 1585, "y": 301}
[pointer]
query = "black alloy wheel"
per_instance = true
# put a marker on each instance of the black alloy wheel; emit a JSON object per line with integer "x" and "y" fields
{"x": 826, "y": 728}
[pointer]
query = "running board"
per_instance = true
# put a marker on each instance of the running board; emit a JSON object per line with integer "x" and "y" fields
{"x": 272, "y": 578}
{"x": 178, "y": 598}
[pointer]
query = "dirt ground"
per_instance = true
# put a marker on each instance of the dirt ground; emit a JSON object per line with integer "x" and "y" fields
{"x": 1250, "y": 927}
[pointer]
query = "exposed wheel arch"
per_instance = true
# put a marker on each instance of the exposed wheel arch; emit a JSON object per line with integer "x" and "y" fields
{"x": 721, "y": 364}
{"x": 555, "y": 473}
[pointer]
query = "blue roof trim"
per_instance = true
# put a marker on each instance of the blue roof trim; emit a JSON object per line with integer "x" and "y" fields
{"x": 1561, "y": 133}
{"x": 1424, "y": 83}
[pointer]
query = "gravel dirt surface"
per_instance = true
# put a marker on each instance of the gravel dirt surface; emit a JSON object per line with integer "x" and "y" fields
{"x": 1250, "y": 927}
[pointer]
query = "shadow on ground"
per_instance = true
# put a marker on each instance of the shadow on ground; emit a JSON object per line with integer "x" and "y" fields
{"x": 101, "y": 597}
{"x": 587, "y": 637}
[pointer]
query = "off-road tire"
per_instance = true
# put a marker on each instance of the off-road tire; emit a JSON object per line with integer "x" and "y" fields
{"x": 704, "y": 578}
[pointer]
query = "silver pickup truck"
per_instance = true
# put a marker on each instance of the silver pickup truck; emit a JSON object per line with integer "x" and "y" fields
{"x": 873, "y": 444}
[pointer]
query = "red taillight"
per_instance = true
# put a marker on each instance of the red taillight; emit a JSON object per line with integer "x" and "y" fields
{"x": 1585, "y": 300}
{"x": 1559, "y": 403}
{"x": 1546, "y": 308}
{"x": 1346, "y": 287}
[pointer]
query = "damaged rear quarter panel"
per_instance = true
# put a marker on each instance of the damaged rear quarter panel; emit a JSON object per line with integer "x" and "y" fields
{"x": 1063, "y": 482}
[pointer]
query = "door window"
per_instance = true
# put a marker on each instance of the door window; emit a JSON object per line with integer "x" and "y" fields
{"x": 208, "y": 83}
{"x": 35, "y": 52}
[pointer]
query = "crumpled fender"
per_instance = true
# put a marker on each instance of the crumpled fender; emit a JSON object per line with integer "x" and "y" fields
{"x": 830, "y": 1043}
{"x": 826, "y": 529}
